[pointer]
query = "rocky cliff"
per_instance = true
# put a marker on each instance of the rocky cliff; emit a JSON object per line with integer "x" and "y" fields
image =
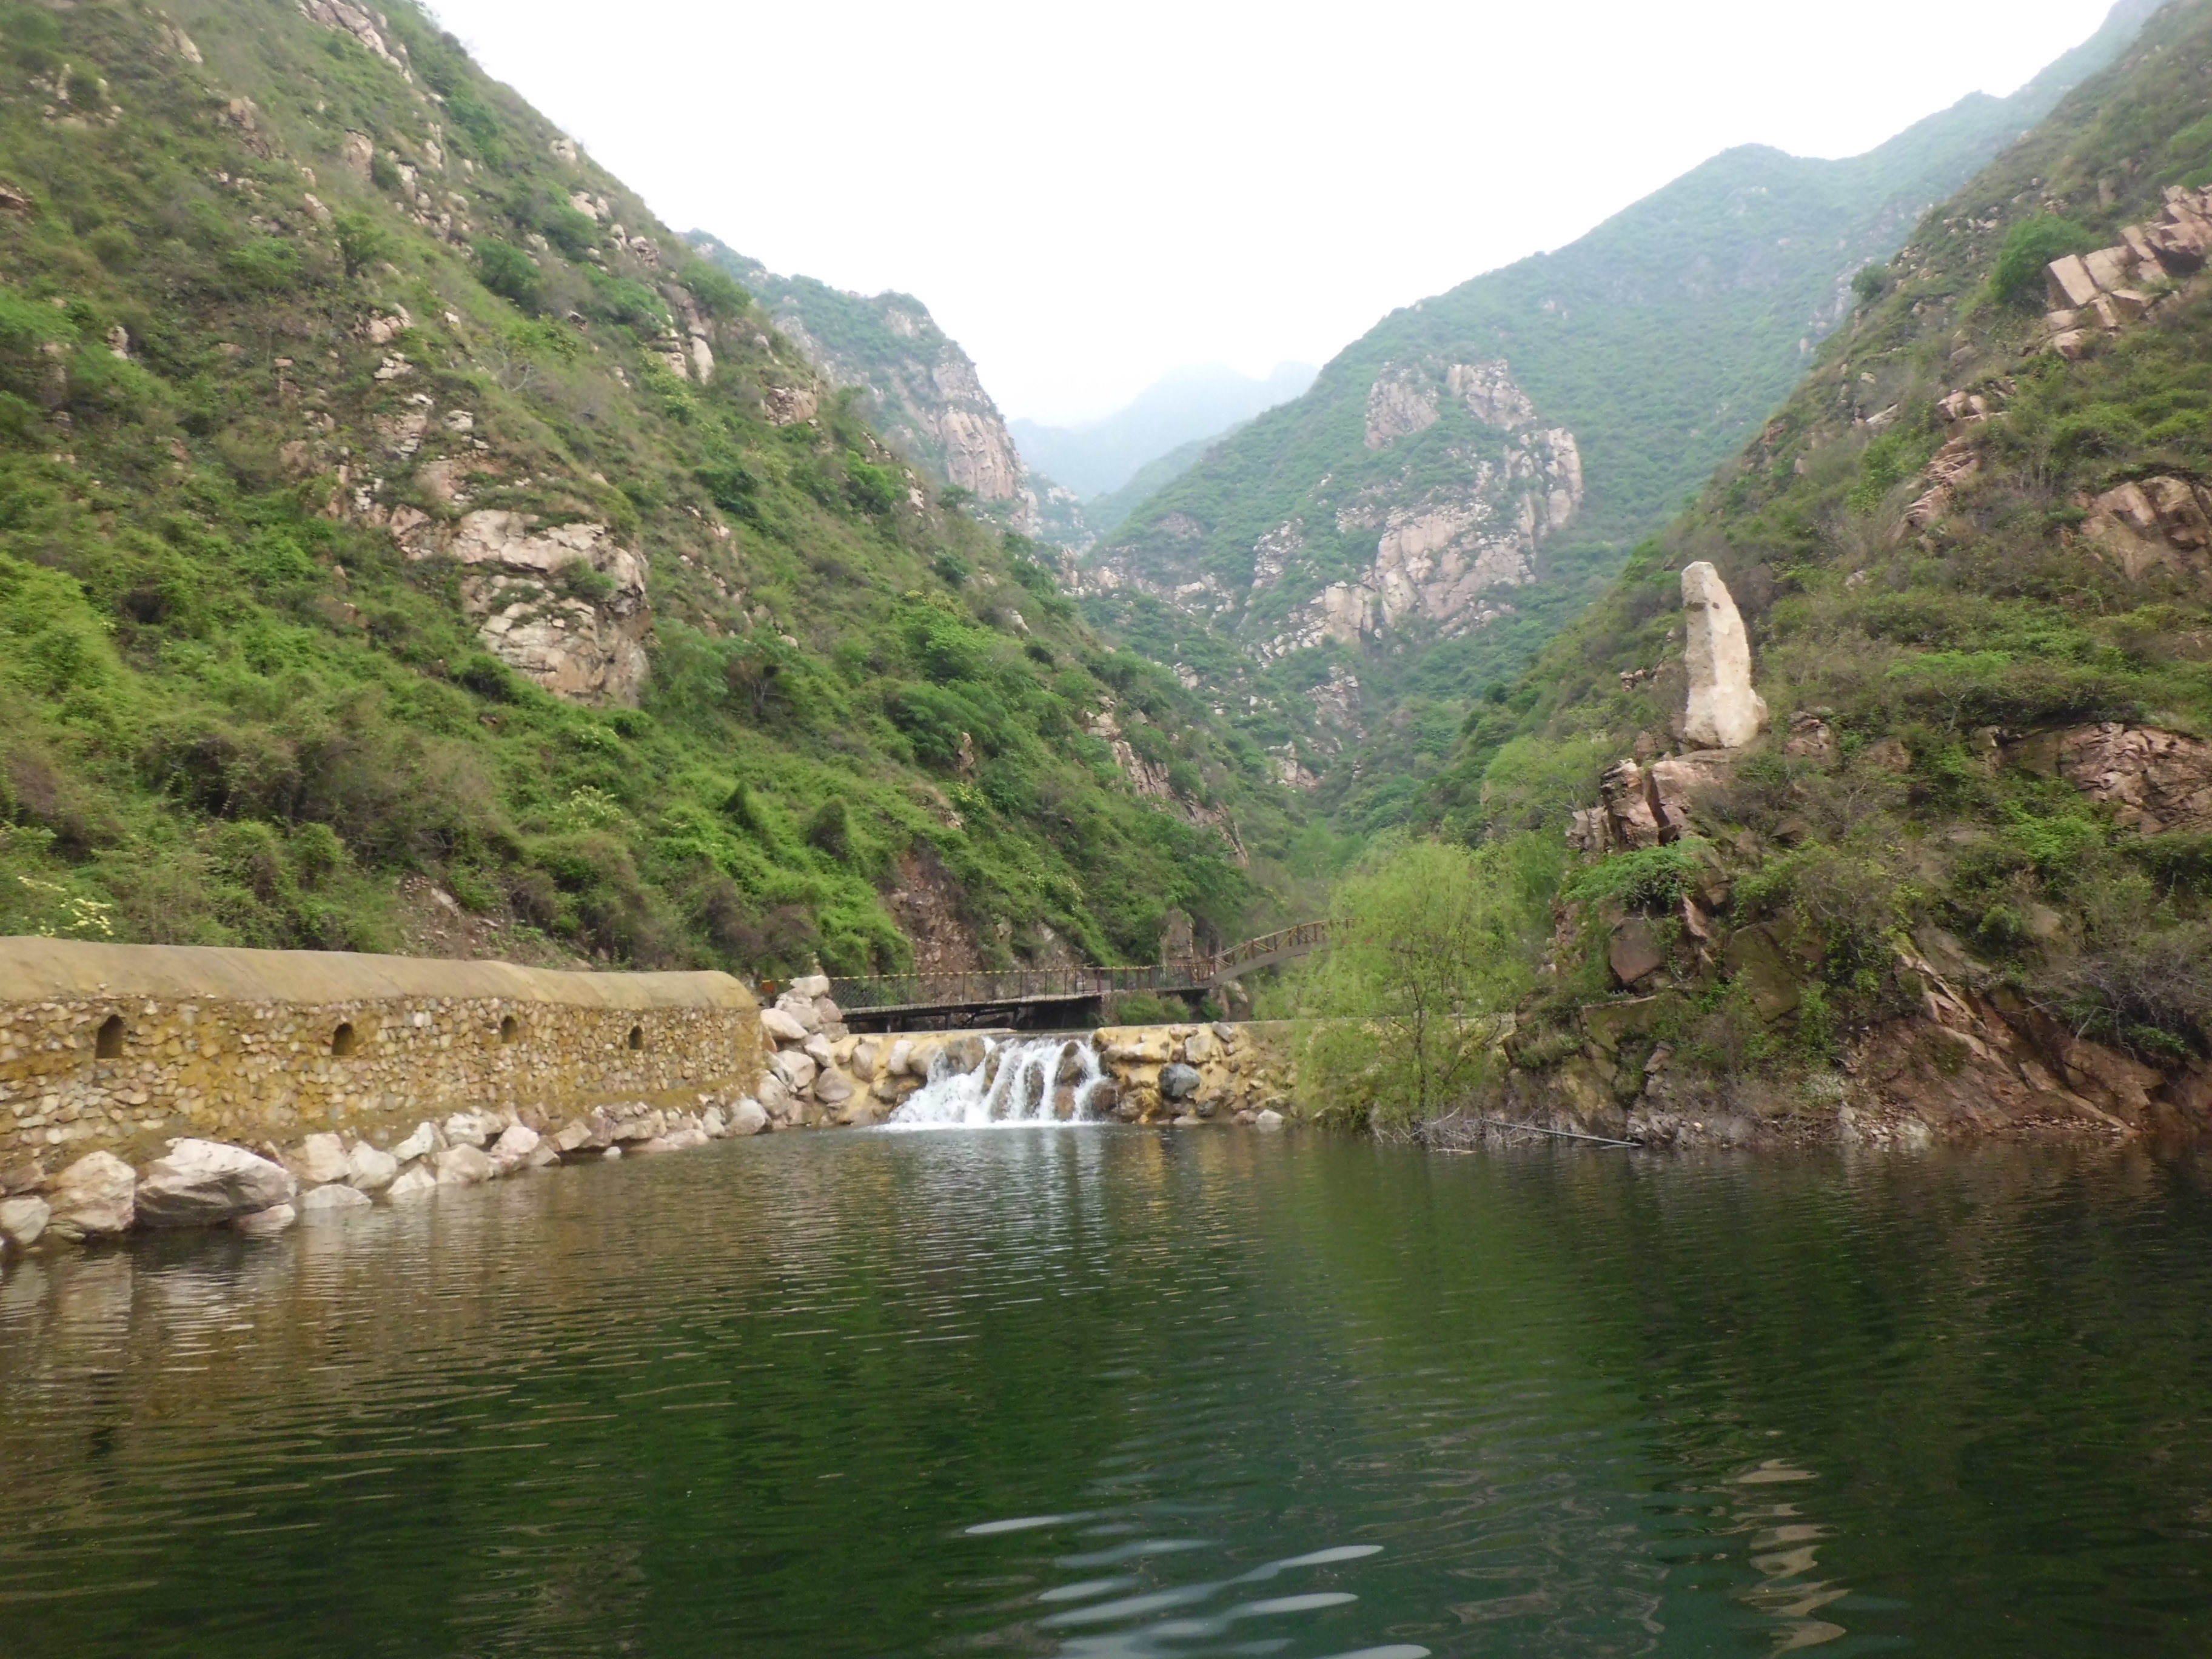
{"x": 1365, "y": 521}
{"x": 918, "y": 388}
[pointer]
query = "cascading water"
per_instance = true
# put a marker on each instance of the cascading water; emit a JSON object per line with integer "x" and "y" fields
{"x": 1040, "y": 1081}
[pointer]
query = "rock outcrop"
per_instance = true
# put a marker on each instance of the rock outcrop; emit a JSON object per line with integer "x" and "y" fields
{"x": 2158, "y": 526}
{"x": 2155, "y": 781}
{"x": 562, "y": 603}
{"x": 1724, "y": 711}
{"x": 2106, "y": 291}
{"x": 922, "y": 390}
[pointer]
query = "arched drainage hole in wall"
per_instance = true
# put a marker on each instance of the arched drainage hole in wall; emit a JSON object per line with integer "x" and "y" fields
{"x": 509, "y": 1029}
{"x": 108, "y": 1044}
{"x": 341, "y": 1041}
{"x": 636, "y": 1036}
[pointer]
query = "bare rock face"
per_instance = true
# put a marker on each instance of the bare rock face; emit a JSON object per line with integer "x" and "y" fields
{"x": 1724, "y": 712}
{"x": 1403, "y": 400}
{"x": 198, "y": 1184}
{"x": 1444, "y": 550}
{"x": 350, "y": 20}
{"x": 2157, "y": 524}
{"x": 2156, "y": 781}
{"x": 564, "y": 605}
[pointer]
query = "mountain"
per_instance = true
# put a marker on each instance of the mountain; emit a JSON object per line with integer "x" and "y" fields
{"x": 1187, "y": 405}
{"x": 1106, "y": 513}
{"x": 921, "y": 391}
{"x": 1964, "y": 879}
{"x": 1462, "y": 480}
{"x": 405, "y": 538}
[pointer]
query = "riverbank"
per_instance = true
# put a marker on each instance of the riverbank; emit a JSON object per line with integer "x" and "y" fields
{"x": 145, "y": 1088}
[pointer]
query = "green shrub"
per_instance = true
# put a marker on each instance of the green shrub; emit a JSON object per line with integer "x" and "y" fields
{"x": 509, "y": 272}
{"x": 831, "y": 830}
{"x": 1143, "y": 1008}
{"x": 1650, "y": 878}
{"x": 2029, "y": 247}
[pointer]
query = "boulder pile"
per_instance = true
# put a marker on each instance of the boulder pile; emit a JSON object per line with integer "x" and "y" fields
{"x": 819, "y": 1073}
{"x": 1187, "y": 1075}
{"x": 210, "y": 1183}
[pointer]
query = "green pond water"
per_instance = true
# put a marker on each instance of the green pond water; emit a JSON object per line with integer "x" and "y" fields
{"x": 1107, "y": 1391}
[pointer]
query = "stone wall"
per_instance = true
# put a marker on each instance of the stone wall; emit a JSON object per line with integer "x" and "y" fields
{"x": 124, "y": 1047}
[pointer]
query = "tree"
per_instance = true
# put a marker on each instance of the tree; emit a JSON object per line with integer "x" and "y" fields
{"x": 363, "y": 241}
{"x": 1430, "y": 942}
{"x": 509, "y": 272}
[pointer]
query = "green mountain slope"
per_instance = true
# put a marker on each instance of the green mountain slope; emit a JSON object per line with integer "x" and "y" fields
{"x": 1107, "y": 514}
{"x": 1968, "y": 872}
{"x": 921, "y": 390}
{"x": 1422, "y": 477}
{"x": 387, "y": 499}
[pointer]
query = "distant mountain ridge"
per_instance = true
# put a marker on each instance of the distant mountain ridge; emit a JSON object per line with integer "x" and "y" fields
{"x": 1386, "y": 530}
{"x": 1191, "y": 404}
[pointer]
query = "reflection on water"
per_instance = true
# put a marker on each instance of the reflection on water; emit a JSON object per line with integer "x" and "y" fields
{"x": 1115, "y": 1393}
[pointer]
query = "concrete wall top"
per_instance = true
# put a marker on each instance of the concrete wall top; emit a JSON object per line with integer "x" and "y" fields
{"x": 51, "y": 969}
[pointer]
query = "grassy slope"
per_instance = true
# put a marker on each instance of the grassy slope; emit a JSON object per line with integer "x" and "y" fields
{"x": 228, "y": 716}
{"x": 1999, "y": 622}
{"x": 1662, "y": 338}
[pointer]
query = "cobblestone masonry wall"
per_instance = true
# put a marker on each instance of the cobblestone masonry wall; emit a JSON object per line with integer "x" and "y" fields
{"x": 111, "y": 1046}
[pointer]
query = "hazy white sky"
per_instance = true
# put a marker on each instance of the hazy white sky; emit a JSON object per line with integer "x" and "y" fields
{"x": 1087, "y": 192}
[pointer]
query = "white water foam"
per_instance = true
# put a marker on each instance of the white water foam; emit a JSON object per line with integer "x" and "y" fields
{"x": 1041, "y": 1081}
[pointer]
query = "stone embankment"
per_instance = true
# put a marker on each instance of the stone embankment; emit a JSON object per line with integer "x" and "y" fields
{"x": 144, "y": 1088}
{"x": 157, "y": 1086}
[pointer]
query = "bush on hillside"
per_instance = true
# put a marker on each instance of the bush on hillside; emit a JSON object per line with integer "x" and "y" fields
{"x": 2029, "y": 246}
{"x": 509, "y": 272}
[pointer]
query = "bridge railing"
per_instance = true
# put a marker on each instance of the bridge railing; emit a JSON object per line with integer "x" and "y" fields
{"x": 1008, "y": 986}
{"x": 1305, "y": 938}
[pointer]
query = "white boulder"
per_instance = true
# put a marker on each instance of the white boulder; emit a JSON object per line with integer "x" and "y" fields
{"x": 800, "y": 1011}
{"x": 337, "y": 1196}
{"x": 196, "y": 1183}
{"x": 23, "y": 1221}
{"x": 413, "y": 1182}
{"x": 368, "y": 1170}
{"x": 472, "y": 1129}
{"x": 464, "y": 1166}
{"x": 513, "y": 1147}
{"x": 795, "y": 1069}
{"x": 814, "y": 985}
{"x": 748, "y": 1117}
{"x": 1270, "y": 1118}
{"x": 320, "y": 1158}
{"x": 424, "y": 1141}
{"x": 274, "y": 1219}
{"x": 781, "y": 1026}
{"x": 1724, "y": 712}
{"x": 93, "y": 1198}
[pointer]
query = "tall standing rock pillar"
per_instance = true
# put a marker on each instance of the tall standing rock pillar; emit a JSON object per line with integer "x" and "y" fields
{"x": 1724, "y": 711}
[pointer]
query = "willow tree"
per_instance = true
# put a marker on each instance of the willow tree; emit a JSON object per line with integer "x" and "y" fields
{"x": 1430, "y": 945}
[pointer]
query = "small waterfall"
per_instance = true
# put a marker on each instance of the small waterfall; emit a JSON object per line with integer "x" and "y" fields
{"x": 1041, "y": 1080}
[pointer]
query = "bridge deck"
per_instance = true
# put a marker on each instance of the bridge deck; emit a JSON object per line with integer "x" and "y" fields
{"x": 878, "y": 999}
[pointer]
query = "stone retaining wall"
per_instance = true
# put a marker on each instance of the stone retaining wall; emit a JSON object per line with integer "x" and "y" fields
{"x": 114, "y": 1046}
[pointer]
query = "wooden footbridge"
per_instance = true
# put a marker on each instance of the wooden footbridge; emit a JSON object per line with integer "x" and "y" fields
{"x": 1049, "y": 998}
